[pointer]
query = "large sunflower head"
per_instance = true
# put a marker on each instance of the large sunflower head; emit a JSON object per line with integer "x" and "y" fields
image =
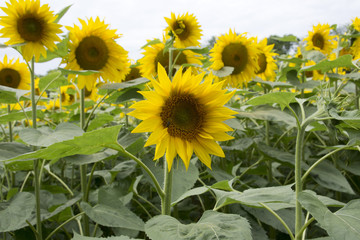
{"x": 14, "y": 74}
{"x": 28, "y": 22}
{"x": 93, "y": 47}
{"x": 184, "y": 116}
{"x": 239, "y": 52}
{"x": 266, "y": 61}
{"x": 355, "y": 48}
{"x": 154, "y": 54}
{"x": 186, "y": 30}
{"x": 320, "y": 39}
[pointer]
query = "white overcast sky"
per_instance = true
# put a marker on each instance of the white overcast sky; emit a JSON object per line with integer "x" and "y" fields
{"x": 139, "y": 20}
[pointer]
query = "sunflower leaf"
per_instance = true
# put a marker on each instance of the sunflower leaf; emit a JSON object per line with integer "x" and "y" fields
{"x": 81, "y": 72}
{"x": 62, "y": 13}
{"x": 327, "y": 65}
{"x": 223, "y": 72}
{"x": 152, "y": 42}
{"x": 52, "y": 80}
{"x": 281, "y": 98}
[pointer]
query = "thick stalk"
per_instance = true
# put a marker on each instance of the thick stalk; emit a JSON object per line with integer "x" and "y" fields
{"x": 357, "y": 97}
{"x": 37, "y": 180}
{"x": 166, "y": 200}
{"x": 267, "y": 141}
{"x": 83, "y": 168}
{"x": 298, "y": 182}
{"x": 10, "y": 125}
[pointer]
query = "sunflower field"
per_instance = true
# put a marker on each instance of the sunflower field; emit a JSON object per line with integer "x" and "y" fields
{"x": 236, "y": 140}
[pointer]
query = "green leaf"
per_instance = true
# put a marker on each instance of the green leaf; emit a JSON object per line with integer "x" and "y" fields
{"x": 12, "y": 149}
{"x": 20, "y": 208}
{"x": 152, "y": 42}
{"x": 198, "y": 50}
{"x": 270, "y": 114}
{"x": 281, "y": 98}
{"x": 100, "y": 120}
{"x": 81, "y": 72}
{"x": 270, "y": 84}
{"x": 275, "y": 197}
{"x": 286, "y": 38}
{"x": 211, "y": 226}
{"x": 124, "y": 96}
{"x": 123, "y": 85}
{"x": 88, "y": 143}
{"x": 79, "y": 237}
{"x": 45, "y": 136}
{"x": 11, "y": 95}
{"x": 191, "y": 192}
{"x": 223, "y": 72}
{"x": 343, "y": 224}
{"x": 61, "y": 13}
{"x": 18, "y": 116}
{"x": 53, "y": 80}
{"x": 182, "y": 180}
{"x": 330, "y": 177}
{"x": 60, "y": 51}
{"x": 327, "y": 65}
{"x": 113, "y": 216}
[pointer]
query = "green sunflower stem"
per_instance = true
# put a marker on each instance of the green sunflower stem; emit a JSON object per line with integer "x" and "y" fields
{"x": 83, "y": 168}
{"x": 37, "y": 163}
{"x": 10, "y": 125}
{"x": 166, "y": 200}
{"x": 357, "y": 97}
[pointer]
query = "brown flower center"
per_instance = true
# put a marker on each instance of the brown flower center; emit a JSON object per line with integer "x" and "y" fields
{"x": 133, "y": 74}
{"x": 10, "y": 78}
{"x": 262, "y": 63}
{"x": 183, "y": 116}
{"x": 181, "y": 30}
{"x": 235, "y": 55}
{"x": 318, "y": 40}
{"x": 30, "y": 28}
{"x": 92, "y": 53}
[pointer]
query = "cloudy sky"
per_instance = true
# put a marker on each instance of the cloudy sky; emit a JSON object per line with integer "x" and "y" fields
{"x": 139, "y": 20}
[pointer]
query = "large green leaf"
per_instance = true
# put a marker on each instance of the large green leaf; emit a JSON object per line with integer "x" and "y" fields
{"x": 113, "y": 216}
{"x": 17, "y": 116}
{"x": 19, "y": 210}
{"x": 274, "y": 197}
{"x": 211, "y": 226}
{"x": 100, "y": 120}
{"x": 12, "y": 149}
{"x": 11, "y": 95}
{"x": 281, "y": 98}
{"x": 79, "y": 237}
{"x": 343, "y": 224}
{"x": 88, "y": 143}
{"x": 45, "y": 136}
{"x": 53, "y": 80}
{"x": 327, "y": 65}
{"x": 79, "y": 159}
{"x": 123, "y": 85}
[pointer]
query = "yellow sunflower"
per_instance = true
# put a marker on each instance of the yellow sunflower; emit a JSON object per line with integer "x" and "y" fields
{"x": 266, "y": 61}
{"x": 315, "y": 74}
{"x": 356, "y": 24}
{"x": 186, "y": 30}
{"x": 28, "y": 22}
{"x": 92, "y": 94}
{"x": 133, "y": 74}
{"x": 14, "y": 74}
{"x": 184, "y": 116}
{"x": 355, "y": 48}
{"x": 320, "y": 39}
{"x": 154, "y": 54}
{"x": 235, "y": 51}
{"x": 94, "y": 48}
{"x": 69, "y": 94}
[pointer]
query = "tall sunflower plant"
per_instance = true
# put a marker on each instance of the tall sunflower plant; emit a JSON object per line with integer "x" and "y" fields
{"x": 235, "y": 135}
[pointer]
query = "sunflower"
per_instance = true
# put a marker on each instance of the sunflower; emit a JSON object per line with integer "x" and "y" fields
{"x": 69, "y": 94}
{"x": 355, "y": 48}
{"x": 94, "y": 48}
{"x": 235, "y": 51}
{"x": 28, "y": 22}
{"x": 314, "y": 74}
{"x": 320, "y": 39}
{"x": 133, "y": 74}
{"x": 92, "y": 94}
{"x": 14, "y": 74}
{"x": 186, "y": 30}
{"x": 154, "y": 54}
{"x": 184, "y": 116}
{"x": 356, "y": 24}
{"x": 266, "y": 61}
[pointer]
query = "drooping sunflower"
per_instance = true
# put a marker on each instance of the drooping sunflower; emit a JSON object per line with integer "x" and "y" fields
{"x": 266, "y": 61}
{"x": 29, "y": 23}
{"x": 93, "y": 47}
{"x": 154, "y": 54}
{"x": 184, "y": 116}
{"x": 14, "y": 74}
{"x": 320, "y": 39}
{"x": 235, "y": 51}
{"x": 186, "y": 30}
